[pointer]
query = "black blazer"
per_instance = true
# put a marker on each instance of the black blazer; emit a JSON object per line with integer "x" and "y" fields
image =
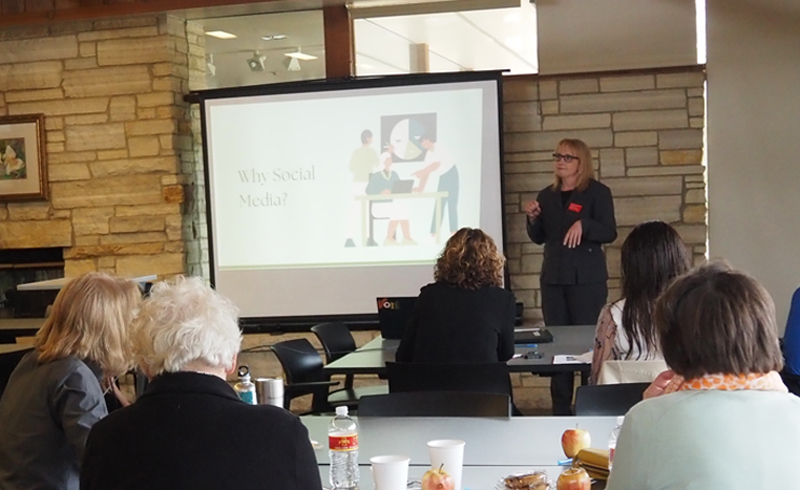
{"x": 191, "y": 431}
{"x": 586, "y": 263}
{"x": 454, "y": 325}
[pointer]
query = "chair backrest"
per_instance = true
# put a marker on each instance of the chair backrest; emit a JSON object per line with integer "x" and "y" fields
{"x": 435, "y": 404}
{"x": 608, "y": 399}
{"x": 616, "y": 372}
{"x": 475, "y": 378}
{"x": 336, "y": 340}
{"x": 300, "y": 361}
{"x": 8, "y": 362}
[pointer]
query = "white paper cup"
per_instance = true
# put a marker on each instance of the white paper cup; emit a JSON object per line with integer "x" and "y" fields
{"x": 449, "y": 455}
{"x": 390, "y": 472}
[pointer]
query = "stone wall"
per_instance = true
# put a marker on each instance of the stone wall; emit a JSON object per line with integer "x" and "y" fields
{"x": 646, "y": 132}
{"x": 116, "y": 125}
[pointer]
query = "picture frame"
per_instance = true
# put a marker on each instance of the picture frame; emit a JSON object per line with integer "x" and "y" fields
{"x": 23, "y": 160}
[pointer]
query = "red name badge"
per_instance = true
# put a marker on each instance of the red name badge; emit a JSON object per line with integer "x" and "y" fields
{"x": 575, "y": 208}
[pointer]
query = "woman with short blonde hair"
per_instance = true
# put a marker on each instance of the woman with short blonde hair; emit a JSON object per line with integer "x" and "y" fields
{"x": 55, "y": 394}
{"x": 465, "y": 316}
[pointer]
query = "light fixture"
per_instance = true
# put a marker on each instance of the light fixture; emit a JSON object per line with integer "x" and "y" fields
{"x": 256, "y": 63}
{"x": 299, "y": 55}
{"x": 292, "y": 64}
{"x": 211, "y": 68}
{"x": 221, "y": 34}
{"x": 274, "y": 37}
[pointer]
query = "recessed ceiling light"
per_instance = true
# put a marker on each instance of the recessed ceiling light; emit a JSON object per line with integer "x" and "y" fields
{"x": 301, "y": 56}
{"x": 274, "y": 37}
{"x": 221, "y": 34}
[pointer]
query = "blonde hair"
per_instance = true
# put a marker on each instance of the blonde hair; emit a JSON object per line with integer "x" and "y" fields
{"x": 585, "y": 167}
{"x": 90, "y": 320}
{"x": 470, "y": 261}
{"x": 182, "y": 322}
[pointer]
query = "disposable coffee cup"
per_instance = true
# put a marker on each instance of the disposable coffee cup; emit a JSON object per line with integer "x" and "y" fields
{"x": 390, "y": 472}
{"x": 269, "y": 391}
{"x": 448, "y": 454}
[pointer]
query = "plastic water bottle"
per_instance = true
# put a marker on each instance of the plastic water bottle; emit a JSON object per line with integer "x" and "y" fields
{"x": 244, "y": 388}
{"x": 343, "y": 446}
{"x": 612, "y": 441}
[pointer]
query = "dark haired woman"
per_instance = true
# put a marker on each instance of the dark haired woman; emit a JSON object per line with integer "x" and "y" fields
{"x": 465, "y": 316}
{"x": 726, "y": 420}
{"x": 652, "y": 256}
{"x": 572, "y": 218}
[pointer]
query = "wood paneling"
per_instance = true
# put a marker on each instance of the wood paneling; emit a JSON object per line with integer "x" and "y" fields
{"x": 339, "y": 52}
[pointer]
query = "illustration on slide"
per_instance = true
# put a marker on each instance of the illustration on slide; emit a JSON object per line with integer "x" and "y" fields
{"x": 387, "y": 182}
{"x": 404, "y": 133}
{"x": 363, "y": 162}
{"x": 439, "y": 162}
{"x": 415, "y": 169}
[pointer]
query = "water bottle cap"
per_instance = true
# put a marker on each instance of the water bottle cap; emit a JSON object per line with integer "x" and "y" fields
{"x": 620, "y": 419}
{"x": 244, "y": 372}
{"x": 341, "y": 411}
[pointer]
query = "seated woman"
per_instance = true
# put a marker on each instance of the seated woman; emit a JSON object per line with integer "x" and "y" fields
{"x": 465, "y": 316}
{"x": 652, "y": 256}
{"x": 55, "y": 394}
{"x": 725, "y": 420}
{"x": 190, "y": 430}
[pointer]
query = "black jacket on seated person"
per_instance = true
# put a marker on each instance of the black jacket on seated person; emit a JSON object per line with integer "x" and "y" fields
{"x": 191, "y": 431}
{"x": 451, "y": 325}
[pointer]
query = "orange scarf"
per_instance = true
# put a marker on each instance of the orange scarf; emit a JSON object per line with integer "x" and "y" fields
{"x": 753, "y": 381}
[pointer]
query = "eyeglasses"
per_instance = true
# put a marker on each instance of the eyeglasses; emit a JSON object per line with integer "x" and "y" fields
{"x": 566, "y": 158}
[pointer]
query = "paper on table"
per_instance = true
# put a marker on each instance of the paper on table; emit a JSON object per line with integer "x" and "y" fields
{"x": 585, "y": 358}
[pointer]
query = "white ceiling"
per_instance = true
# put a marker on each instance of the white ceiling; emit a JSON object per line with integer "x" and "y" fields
{"x": 502, "y": 38}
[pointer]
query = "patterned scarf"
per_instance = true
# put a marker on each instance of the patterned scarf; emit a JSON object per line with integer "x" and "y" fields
{"x": 753, "y": 381}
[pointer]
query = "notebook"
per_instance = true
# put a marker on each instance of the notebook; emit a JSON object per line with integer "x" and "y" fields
{"x": 532, "y": 335}
{"x": 393, "y": 315}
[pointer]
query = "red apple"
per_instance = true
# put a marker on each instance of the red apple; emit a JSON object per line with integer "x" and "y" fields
{"x": 437, "y": 479}
{"x": 574, "y": 479}
{"x": 573, "y": 440}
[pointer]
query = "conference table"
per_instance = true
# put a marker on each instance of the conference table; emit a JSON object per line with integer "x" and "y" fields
{"x": 495, "y": 447}
{"x": 574, "y": 340}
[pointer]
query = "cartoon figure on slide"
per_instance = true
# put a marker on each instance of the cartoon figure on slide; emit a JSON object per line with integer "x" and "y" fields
{"x": 363, "y": 162}
{"x": 387, "y": 181}
{"x": 439, "y": 162}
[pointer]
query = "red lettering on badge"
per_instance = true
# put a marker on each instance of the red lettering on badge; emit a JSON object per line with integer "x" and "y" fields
{"x": 575, "y": 208}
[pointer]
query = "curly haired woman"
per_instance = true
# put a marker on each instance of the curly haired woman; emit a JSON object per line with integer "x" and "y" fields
{"x": 465, "y": 316}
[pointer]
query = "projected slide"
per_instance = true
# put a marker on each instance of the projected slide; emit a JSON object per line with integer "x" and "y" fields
{"x": 375, "y": 179}
{"x": 326, "y": 195}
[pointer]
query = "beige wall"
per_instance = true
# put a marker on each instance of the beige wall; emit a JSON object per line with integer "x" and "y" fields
{"x": 646, "y": 131}
{"x": 754, "y": 141}
{"x": 578, "y": 36}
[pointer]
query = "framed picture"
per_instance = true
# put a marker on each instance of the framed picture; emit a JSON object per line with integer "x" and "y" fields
{"x": 23, "y": 164}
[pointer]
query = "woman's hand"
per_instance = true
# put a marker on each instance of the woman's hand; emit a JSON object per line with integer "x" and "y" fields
{"x": 573, "y": 237}
{"x": 659, "y": 384}
{"x": 533, "y": 210}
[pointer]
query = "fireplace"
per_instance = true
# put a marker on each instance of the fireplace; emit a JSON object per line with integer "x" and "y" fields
{"x": 21, "y": 266}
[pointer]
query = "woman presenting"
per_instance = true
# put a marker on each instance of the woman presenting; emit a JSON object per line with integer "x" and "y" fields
{"x": 572, "y": 218}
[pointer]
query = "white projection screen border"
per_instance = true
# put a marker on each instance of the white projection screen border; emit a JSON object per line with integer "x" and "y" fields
{"x": 322, "y": 196}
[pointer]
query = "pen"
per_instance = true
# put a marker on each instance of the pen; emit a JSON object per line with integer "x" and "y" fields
{"x": 565, "y": 462}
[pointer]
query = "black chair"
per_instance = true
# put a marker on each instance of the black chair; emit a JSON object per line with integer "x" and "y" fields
{"x": 608, "y": 399}
{"x": 302, "y": 366}
{"x": 474, "y": 378}
{"x": 435, "y": 404}
{"x": 8, "y": 362}
{"x": 792, "y": 381}
{"x": 337, "y": 342}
